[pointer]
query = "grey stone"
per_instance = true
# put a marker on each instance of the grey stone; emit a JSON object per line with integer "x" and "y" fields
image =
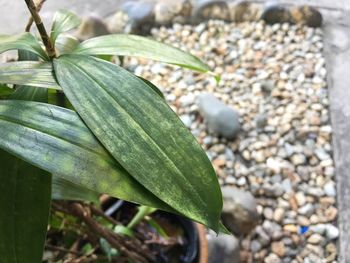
{"x": 139, "y": 11}
{"x": 211, "y": 9}
{"x": 332, "y": 232}
{"x": 263, "y": 237}
{"x": 306, "y": 15}
{"x": 187, "y": 120}
{"x": 273, "y": 229}
{"x": 329, "y": 189}
{"x": 244, "y": 11}
{"x": 306, "y": 210}
{"x": 239, "y": 212}
{"x": 141, "y": 15}
{"x": 255, "y": 246}
{"x": 275, "y": 13}
{"x": 272, "y": 258}
{"x": 261, "y": 120}
{"x": 220, "y": 118}
{"x": 167, "y": 11}
{"x": 92, "y": 26}
{"x": 287, "y": 185}
{"x": 223, "y": 248}
{"x": 119, "y": 23}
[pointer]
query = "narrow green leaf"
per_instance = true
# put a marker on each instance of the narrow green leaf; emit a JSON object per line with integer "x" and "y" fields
{"x": 29, "y": 73}
{"x": 25, "y": 41}
{"x": 57, "y": 140}
{"x": 23, "y": 92}
{"x": 143, "y": 134}
{"x": 24, "y": 204}
{"x": 132, "y": 45}
{"x": 66, "y": 44}
{"x": 63, "y": 21}
{"x": 65, "y": 190}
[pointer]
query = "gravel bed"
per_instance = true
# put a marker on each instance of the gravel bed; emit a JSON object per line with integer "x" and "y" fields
{"x": 275, "y": 78}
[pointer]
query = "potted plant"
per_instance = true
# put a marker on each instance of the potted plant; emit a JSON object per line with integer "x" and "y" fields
{"x": 74, "y": 126}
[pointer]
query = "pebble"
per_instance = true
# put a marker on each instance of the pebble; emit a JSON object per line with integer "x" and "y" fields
{"x": 278, "y": 248}
{"x": 274, "y": 78}
{"x": 220, "y": 118}
{"x": 329, "y": 189}
{"x": 239, "y": 212}
{"x": 272, "y": 258}
{"x": 223, "y": 248}
{"x": 278, "y": 214}
{"x": 315, "y": 239}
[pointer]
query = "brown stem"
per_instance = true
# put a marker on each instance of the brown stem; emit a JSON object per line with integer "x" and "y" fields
{"x": 30, "y": 21}
{"x": 41, "y": 28}
{"x": 100, "y": 213}
{"x": 62, "y": 249}
{"x": 116, "y": 241}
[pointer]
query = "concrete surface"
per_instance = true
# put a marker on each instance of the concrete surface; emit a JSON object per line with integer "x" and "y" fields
{"x": 337, "y": 54}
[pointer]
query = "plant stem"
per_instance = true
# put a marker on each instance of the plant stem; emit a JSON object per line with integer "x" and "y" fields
{"x": 41, "y": 28}
{"x": 141, "y": 214}
{"x": 132, "y": 250}
{"x": 30, "y": 21}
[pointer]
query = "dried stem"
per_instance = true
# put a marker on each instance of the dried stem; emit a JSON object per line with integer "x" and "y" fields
{"x": 62, "y": 249}
{"x": 41, "y": 28}
{"x": 31, "y": 20}
{"x": 126, "y": 247}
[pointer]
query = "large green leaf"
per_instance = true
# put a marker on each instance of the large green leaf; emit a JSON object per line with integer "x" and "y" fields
{"x": 29, "y": 73}
{"x": 25, "y": 199}
{"x": 143, "y": 134}
{"x": 25, "y": 204}
{"x": 63, "y": 21}
{"x": 131, "y": 45}
{"x": 66, "y": 190}
{"x": 154, "y": 87}
{"x": 25, "y": 41}
{"x": 57, "y": 140}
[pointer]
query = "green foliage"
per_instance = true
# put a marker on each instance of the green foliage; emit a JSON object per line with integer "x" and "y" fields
{"x": 26, "y": 195}
{"x": 164, "y": 154}
{"x": 28, "y": 73}
{"x": 63, "y": 21}
{"x": 24, "y": 203}
{"x": 131, "y": 45}
{"x": 25, "y": 41}
{"x": 121, "y": 138}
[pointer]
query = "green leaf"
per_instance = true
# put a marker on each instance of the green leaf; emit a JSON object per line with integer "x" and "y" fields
{"x": 25, "y": 41}
{"x": 63, "y": 21}
{"x": 24, "y": 204}
{"x": 57, "y": 140}
{"x": 132, "y": 45}
{"x": 65, "y": 190}
{"x": 154, "y": 87}
{"x": 5, "y": 91}
{"x": 143, "y": 134}
{"x": 29, "y": 73}
{"x": 26, "y": 92}
{"x": 66, "y": 44}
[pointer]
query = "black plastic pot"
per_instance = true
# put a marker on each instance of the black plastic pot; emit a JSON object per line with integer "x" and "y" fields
{"x": 195, "y": 247}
